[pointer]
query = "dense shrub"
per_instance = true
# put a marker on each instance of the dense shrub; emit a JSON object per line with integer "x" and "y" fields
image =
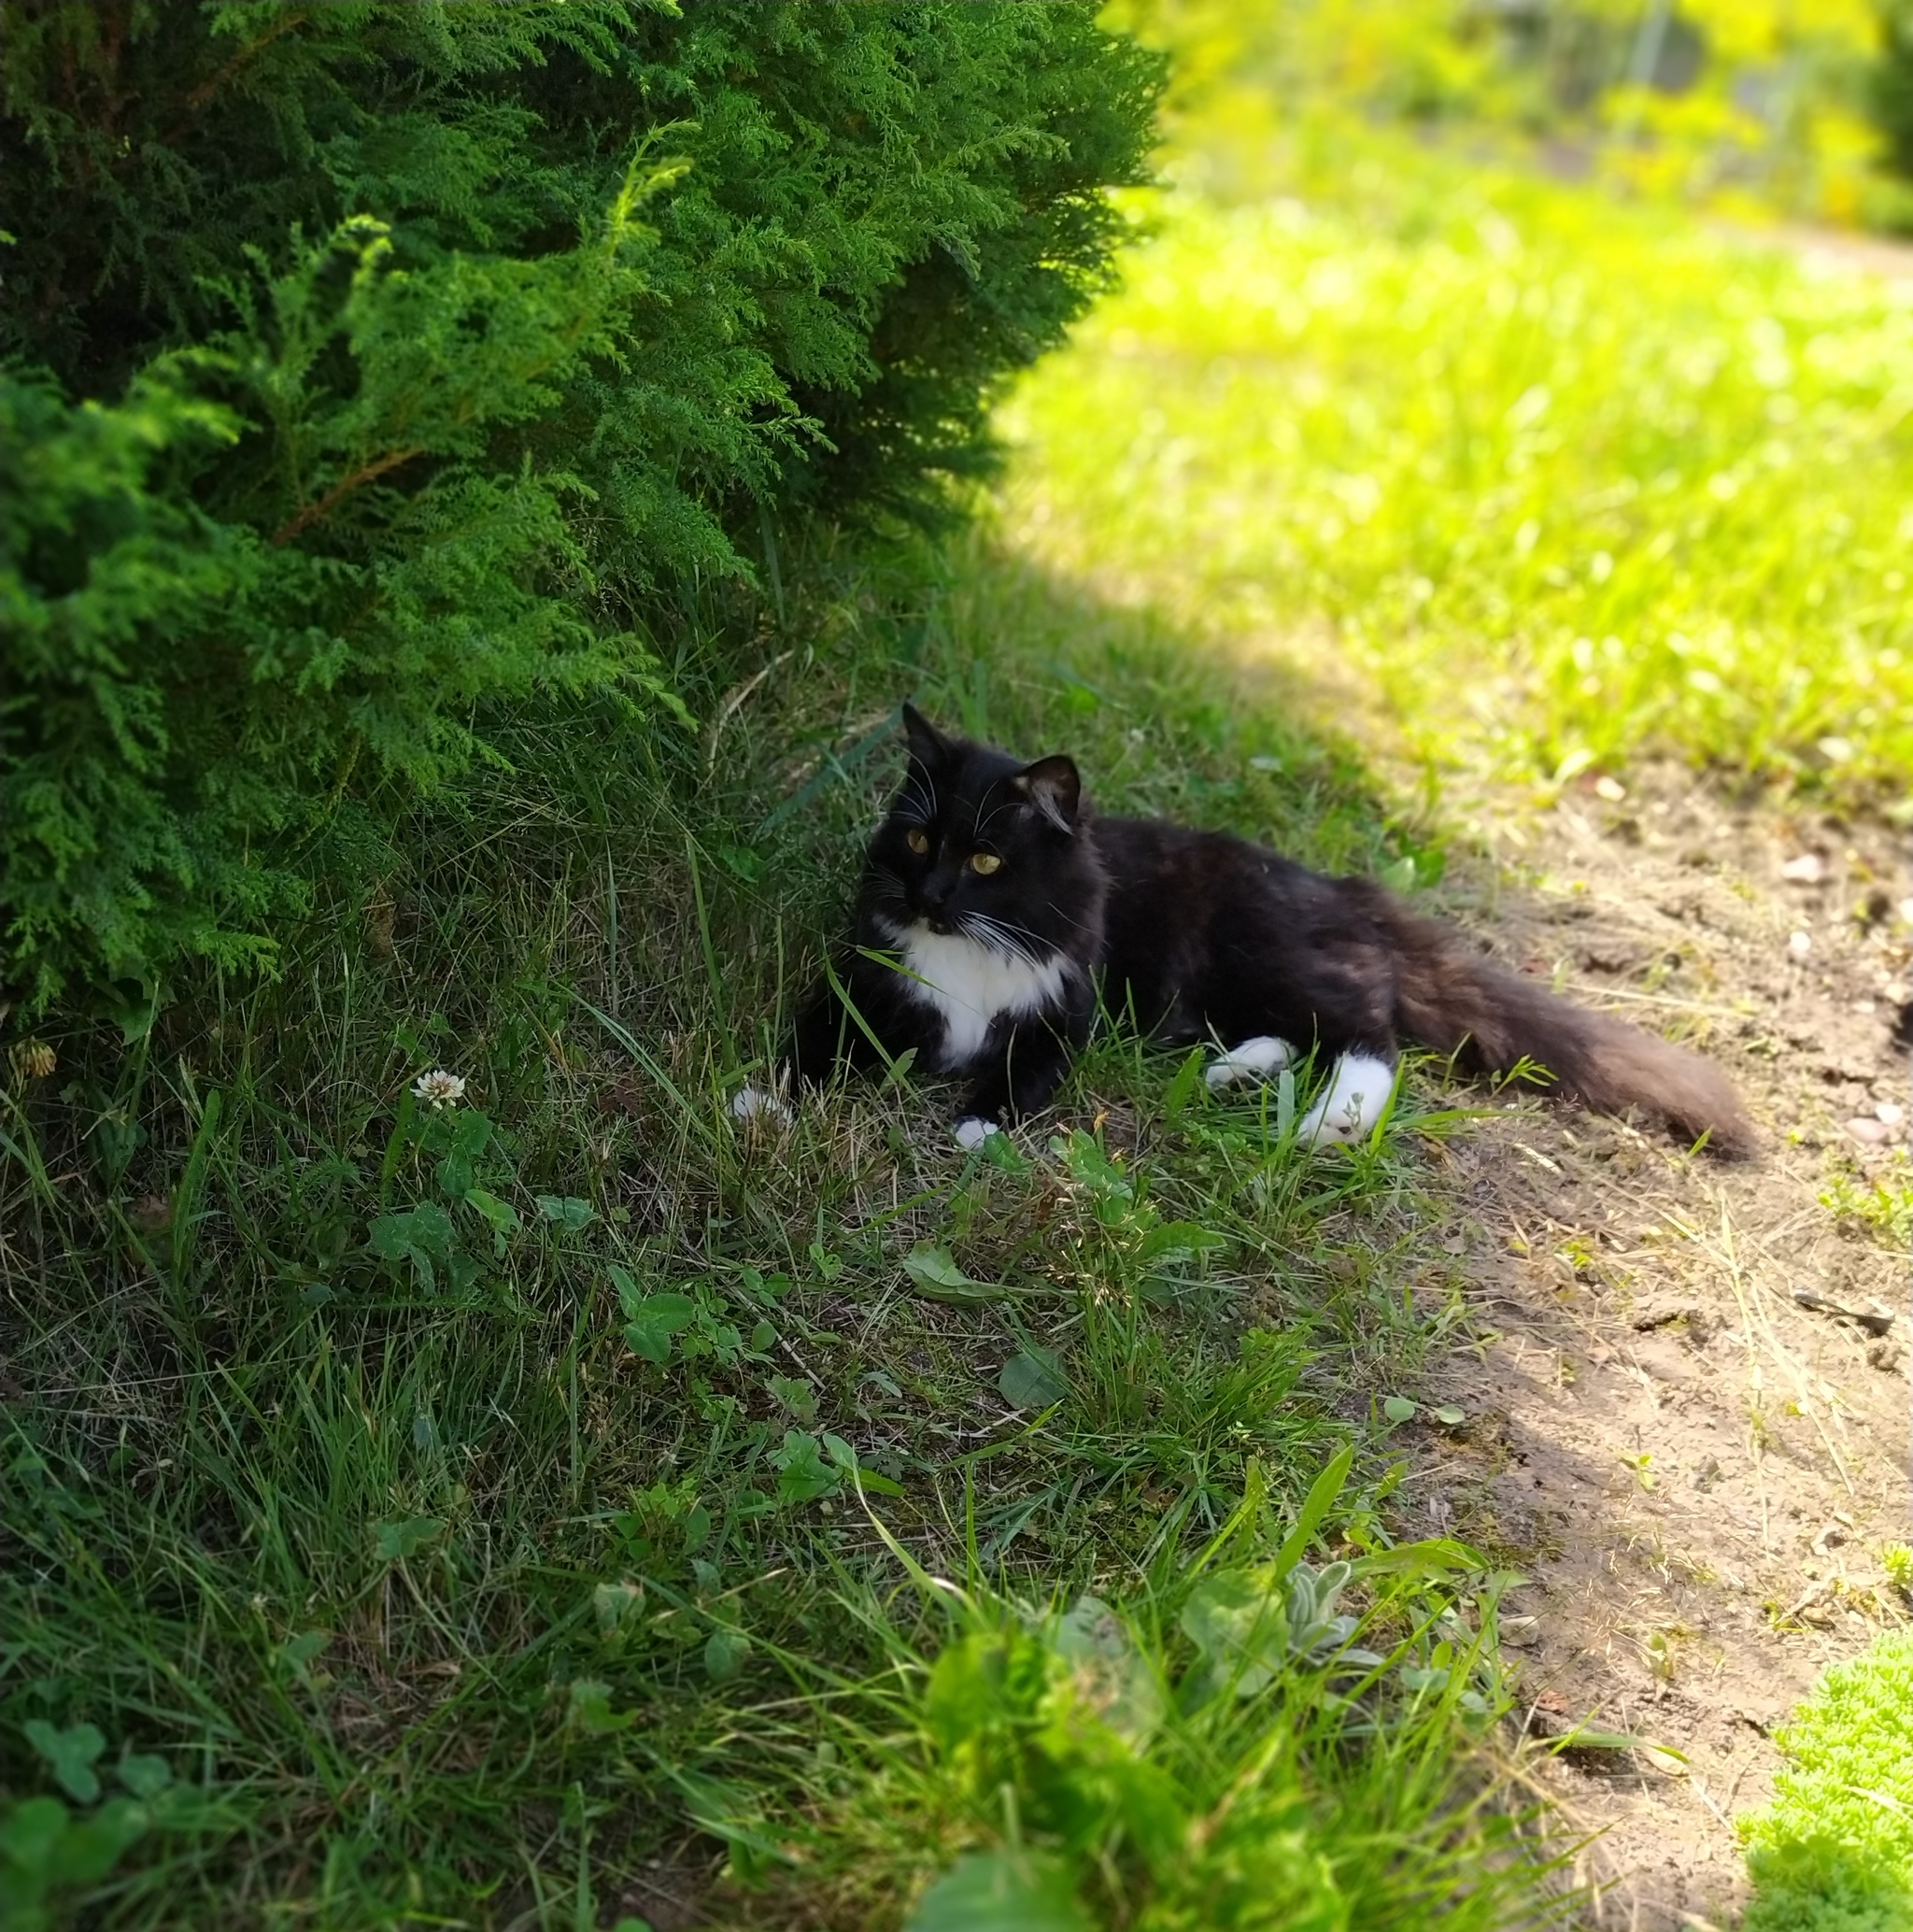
{"x": 372, "y": 369}
{"x": 1891, "y": 86}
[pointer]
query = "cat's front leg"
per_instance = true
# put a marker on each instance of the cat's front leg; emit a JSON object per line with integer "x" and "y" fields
{"x": 826, "y": 1038}
{"x": 1022, "y": 1076}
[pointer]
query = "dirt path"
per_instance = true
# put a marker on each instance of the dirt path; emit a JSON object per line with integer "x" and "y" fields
{"x": 1696, "y": 1472}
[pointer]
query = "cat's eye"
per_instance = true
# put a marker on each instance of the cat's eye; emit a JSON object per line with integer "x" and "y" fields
{"x": 918, "y": 842}
{"x": 985, "y": 863}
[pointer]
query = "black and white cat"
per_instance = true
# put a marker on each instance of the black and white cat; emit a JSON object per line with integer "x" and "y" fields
{"x": 993, "y": 902}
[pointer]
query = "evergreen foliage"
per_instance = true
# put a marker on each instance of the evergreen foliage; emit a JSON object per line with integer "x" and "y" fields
{"x": 372, "y": 371}
{"x": 1891, "y": 86}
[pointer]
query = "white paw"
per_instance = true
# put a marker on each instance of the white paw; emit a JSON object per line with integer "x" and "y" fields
{"x": 1252, "y": 1059}
{"x": 971, "y": 1133}
{"x": 755, "y": 1103}
{"x": 1359, "y": 1090}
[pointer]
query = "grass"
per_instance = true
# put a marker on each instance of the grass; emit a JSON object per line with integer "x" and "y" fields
{"x": 1834, "y": 1853}
{"x": 556, "y": 1508}
{"x": 563, "y": 1509}
{"x": 1572, "y": 483}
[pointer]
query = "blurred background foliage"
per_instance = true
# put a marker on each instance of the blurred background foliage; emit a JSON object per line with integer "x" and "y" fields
{"x": 1433, "y": 366}
{"x": 1753, "y": 107}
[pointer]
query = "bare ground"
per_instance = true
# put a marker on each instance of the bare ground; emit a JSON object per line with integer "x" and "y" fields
{"x": 1696, "y": 1472}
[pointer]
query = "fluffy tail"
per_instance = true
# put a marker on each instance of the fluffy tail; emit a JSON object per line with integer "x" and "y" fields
{"x": 1454, "y": 1001}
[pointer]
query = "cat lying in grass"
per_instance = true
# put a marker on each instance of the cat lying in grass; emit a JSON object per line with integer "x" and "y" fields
{"x": 993, "y": 900}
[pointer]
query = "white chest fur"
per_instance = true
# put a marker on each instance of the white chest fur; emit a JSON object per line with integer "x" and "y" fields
{"x": 970, "y": 985}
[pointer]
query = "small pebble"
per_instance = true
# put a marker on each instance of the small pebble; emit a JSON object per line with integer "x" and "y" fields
{"x": 1891, "y": 1112}
{"x": 1810, "y": 869}
{"x": 1799, "y": 944}
{"x": 1611, "y": 789}
{"x": 1869, "y": 1133}
{"x": 1906, "y": 910}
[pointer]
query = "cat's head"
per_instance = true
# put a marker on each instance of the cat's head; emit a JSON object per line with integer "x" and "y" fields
{"x": 980, "y": 845}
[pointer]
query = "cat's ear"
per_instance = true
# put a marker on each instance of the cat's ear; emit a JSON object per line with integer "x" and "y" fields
{"x": 1053, "y": 787}
{"x": 927, "y": 746}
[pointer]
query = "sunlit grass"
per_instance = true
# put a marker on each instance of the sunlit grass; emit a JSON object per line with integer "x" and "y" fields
{"x": 1570, "y": 481}
{"x": 1834, "y": 1853}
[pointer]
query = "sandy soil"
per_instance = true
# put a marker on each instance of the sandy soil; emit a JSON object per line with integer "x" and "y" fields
{"x": 1695, "y": 1472}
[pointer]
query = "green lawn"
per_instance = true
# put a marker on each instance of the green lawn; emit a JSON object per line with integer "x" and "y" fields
{"x": 1570, "y": 482}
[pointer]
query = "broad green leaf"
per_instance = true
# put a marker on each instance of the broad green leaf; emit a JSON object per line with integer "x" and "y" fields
{"x": 589, "y": 1709}
{"x": 724, "y": 1651}
{"x": 30, "y": 1831}
{"x": 1183, "y": 1088}
{"x": 653, "y": 1320}
{"x": 420, "y": 1236}
{"x": 938, "y": 1276}
{"x": 803, "y": 1475}
{"x": 1002, "y": 1892}
{"x": 800, "y": 1397}
{"x": 298, "y": 1653}
{"x": 42, "y": 1841}
{"x": 1179, "y": 1240}
{"x": 1032, "y": 1379}
{"x": 1449, "y": 1417}
{"x": 500, "y": 1215}
{"x": 572, "y": 1215}
{"x": 144, "y": 1775}
{"x": 614, "y": 1605}
{"x": 1118, "y": 1682}
{"x": 458, "y": 1170}
{"x": 71, "y": 1755}
{"x": 1002, "y": 1153}
{"x": 1320, "y": 1500}
{"x": 1438, "y": 1557}
{"x": 628, "y": 1292}
{"x": 1236, "y": 1618}
{"x": 1398, "y": 1409}
{"x": 844, "y": 1457}
{"x": 392, "y": 1542}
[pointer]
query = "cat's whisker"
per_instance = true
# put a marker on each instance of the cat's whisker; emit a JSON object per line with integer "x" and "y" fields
{"x": 1011, "y": 941}
{"x": 920, "y": 790}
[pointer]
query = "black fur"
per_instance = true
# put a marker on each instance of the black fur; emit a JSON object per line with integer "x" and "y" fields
{"x": 1195, "y": 935}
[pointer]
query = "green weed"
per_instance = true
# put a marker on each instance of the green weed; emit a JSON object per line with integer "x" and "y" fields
{"x": 1222, "y": 1746}
{"x": 1881, "y": 1202}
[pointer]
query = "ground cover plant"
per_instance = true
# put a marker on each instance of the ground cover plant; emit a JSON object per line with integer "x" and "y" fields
{"x": 466, "y": 1502}
{"x": 1570, "y": 482}
{"x": 1835, "y": 1848}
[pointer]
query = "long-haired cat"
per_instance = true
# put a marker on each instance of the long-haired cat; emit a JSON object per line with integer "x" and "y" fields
{"x": 993, "y": 901}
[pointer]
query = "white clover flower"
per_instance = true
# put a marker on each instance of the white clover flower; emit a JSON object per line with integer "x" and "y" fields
{"x": 439, "y": 1089}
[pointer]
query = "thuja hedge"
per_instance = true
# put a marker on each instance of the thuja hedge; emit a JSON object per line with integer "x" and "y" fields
{"x": 370, "y": 370}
